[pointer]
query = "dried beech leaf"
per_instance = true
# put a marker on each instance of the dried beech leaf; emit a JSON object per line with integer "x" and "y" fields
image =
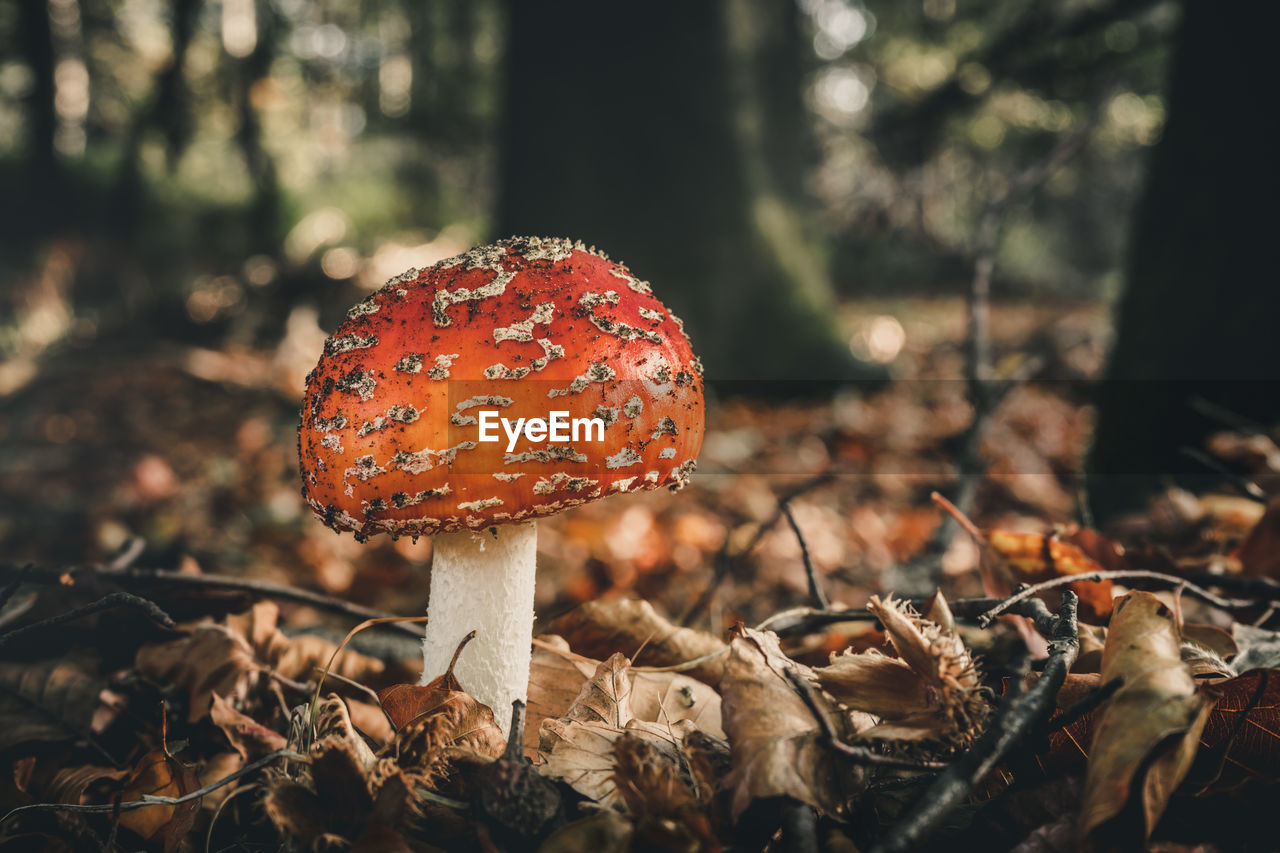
{"x": 1146, "y": 735}
{"x": 606, "y": 696}
{"x": 1242, "y": 736}
{"x": 303, "y": 655}
{"x": 455, "y": 726}
{"x": 1010, "y": 558}
{"x": 404, "y": 703}
{"x": 600, "y": 628}
{"x": 369, "y": 720}
{"x": 50, "y": 700}
{"x": 1036, "y": 557}
{"x": 229, "y": 658}
{"x": 775, "y": 744}
{"x": 1213, "y": 638}
{"x": 213, "y": 659}
{"x": 670, "y": 697}
{"x": 555, "y": 680}
{"x": 251, "y": 739}
{"x": 159, "y": 774}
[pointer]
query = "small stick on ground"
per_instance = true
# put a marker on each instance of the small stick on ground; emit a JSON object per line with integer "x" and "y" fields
{"x": 115, "y": 599}
{"x": 816, "y": 594}
{"x": 143, "y": 579}
{"x": 859, "y": 754}
{"x": 805, "y": 620}
{"x": 1012, "y": 725}
{"x": 724, "y": 561}
{"x": 1228, "y": 604}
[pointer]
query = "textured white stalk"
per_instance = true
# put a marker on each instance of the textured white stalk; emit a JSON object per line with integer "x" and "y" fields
{"x": 485, "y": 584}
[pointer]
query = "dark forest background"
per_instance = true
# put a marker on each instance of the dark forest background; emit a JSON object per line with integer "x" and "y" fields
{"x": 206, "y": 186}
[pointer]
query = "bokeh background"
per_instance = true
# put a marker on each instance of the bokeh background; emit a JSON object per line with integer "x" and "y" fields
{"x": 196, "y": 190}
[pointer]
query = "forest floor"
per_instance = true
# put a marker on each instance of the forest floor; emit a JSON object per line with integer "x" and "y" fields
{"x": 121, "y": 461}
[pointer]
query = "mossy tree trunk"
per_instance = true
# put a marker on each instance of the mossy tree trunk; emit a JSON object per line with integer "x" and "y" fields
{"x": 673, "y": 136}
{"x": 1200, "y": 318}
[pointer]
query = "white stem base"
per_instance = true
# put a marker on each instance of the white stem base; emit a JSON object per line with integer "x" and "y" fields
{"x": 484, "y": 584}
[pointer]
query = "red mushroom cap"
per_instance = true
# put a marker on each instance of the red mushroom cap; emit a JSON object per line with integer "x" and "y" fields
{"x": 389, "y": 439}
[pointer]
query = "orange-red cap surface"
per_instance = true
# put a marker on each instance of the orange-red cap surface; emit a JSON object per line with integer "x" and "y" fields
{"x": 389, "y": 439}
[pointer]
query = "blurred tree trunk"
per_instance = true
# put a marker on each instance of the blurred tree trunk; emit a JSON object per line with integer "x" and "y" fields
{"x": 1199, "y": 318}
{"x": 35, "y": 39}
{"x": 673, "y": 136}
{"x": 264, "y": 225}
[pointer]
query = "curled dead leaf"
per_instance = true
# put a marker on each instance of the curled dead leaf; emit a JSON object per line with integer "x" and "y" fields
{"x": 230, "y": 658}
{"x": 1146, "y": 735}
{"x": 159, "y": 774}
{"x": 775, "y": 743}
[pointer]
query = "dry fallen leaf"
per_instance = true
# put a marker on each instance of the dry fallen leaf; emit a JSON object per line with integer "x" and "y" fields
{"x": 606, "y": 697}
{"x": 230, "y": 658}
{"x": 159, "y": 774}
{"x": 556, "y": 675}
{"x": 1146, "y": 735}
{"x": 578, "y": 747}
{"x": 598, "y": 629}
{"x": 436, "y": 724}
{"x": 1012, "y": 557}
{"x": 250, "y": 738}
{"x": 50, "y": 700}
{"x": 775, "y": 742}
{"x": 1241, "y": 739}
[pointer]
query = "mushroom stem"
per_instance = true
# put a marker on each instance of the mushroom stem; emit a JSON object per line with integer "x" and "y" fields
{"x": 483, "y": 581}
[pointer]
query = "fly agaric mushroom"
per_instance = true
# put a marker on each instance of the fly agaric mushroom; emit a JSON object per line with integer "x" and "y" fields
{"x": 412, "y": 426}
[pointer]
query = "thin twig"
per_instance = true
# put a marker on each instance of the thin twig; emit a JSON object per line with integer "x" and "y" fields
{"x": 1015, "y": 722}
{"x": 816, "y": 594}
{"x": 135, "y": 578}
{"x": 151, "y": 800}
{"x": 724, "y": 561}
{"x": 804, "y": 620}
{"x": 1189, "y": 588}
{"x": 984, "y": 392}
{"x": 854, "y": 753}
{"x": 107, "y": 602}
